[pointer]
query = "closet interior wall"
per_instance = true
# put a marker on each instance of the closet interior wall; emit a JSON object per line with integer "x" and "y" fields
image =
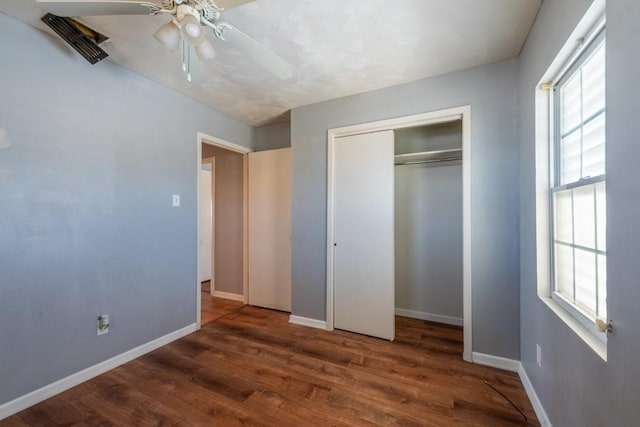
{"x": 428, "y": 224}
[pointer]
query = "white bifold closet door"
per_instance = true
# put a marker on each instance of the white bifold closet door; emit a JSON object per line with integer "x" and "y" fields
{"x": 364, "y": 259}
{"x": 270, "y": 229}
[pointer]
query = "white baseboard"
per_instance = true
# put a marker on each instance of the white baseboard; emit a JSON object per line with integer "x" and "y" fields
{"x": 305, "y": 321}
{"x": 516, "y": 366}
{"x": 496, "y": 362}
{"x": 228, "y": 295}
{"x": 23, "y": 402}
{"x": 533, "y": 397}
{"x": 448, "y": 320}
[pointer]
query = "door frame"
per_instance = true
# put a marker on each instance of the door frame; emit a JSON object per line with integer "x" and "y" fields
{"x": 423, "y": 119}
{"x": 203, "y": 138}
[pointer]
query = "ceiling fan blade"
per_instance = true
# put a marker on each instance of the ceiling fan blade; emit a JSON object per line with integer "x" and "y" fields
{"x": 97, "y": 7}
{"x": 257, "y": 52}
{"x": 229, "y": 4}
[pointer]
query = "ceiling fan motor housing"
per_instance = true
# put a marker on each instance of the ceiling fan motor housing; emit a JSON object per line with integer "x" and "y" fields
{"x": 206, "y": 9}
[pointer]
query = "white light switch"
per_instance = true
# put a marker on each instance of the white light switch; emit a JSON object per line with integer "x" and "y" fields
{"x": 538, "y": 355}
{"x": 176, "y": 200}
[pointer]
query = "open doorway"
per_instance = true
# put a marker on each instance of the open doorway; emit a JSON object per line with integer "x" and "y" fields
{"x": 428, "y": 223}
{"x": 207, "y": 197}
{"x": 222, "y": 227}
{"x": 428, "y": 233}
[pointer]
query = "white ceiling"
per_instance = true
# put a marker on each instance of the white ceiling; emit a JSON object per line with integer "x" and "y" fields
{"x": 337, "y": 47}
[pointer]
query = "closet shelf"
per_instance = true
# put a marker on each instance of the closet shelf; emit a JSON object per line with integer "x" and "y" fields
{"x": 428, "y": 156}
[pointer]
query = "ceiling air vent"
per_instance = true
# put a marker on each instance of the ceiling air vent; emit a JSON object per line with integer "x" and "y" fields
{"x": 81, "y": 38}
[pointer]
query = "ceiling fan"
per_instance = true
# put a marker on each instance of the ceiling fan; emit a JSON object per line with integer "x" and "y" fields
{"x": 189, "y": 20}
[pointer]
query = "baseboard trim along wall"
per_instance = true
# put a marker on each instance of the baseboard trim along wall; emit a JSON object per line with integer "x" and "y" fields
{"x": 516, "y": 366}
{"x": 533, "y": 397}
{"x": 305, "y": 321}
{"x": 37, "y": 396}
{"x": 228, "y": 295}
{"x": 496, "y": 362}
{"x": 448, "y": 320}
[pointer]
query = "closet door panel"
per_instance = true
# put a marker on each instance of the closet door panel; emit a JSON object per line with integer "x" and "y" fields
{"x": 270, "y": 229}
{"x": 364, "y": 259}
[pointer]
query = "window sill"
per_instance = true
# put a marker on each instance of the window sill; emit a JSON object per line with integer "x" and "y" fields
{"x": 586, "y": 335}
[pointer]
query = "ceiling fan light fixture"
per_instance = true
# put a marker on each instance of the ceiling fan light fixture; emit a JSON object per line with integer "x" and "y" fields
{"x": 168, "y": 35}
{"x": 205, "y": 50}
{"x": 191, "y": 31}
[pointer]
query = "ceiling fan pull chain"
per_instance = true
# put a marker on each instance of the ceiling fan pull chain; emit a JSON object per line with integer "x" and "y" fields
{"x": 188, "y": 64}
{"x": 184, "y": 55}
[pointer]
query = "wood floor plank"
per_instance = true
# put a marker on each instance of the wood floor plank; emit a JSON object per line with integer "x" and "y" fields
{"x": 250, "y": 366}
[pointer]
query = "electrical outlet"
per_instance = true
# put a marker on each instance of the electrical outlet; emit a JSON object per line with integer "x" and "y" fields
{"x": 539, "y": 355}
{"x": 103, "y": 324}
{"x": 176, "y": 200}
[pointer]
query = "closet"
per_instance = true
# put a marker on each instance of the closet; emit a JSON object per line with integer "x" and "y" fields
{"x": 396, "y": 227}
{"x": 428, "y": 223}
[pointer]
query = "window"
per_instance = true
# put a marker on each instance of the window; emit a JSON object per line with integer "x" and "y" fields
{"x": 570, "y": 186}
{"x": 578, "y": 186}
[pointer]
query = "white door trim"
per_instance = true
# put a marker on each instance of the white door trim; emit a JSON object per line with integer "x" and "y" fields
{"x": 434, "y": 117}
{"x": 203, "y": 138}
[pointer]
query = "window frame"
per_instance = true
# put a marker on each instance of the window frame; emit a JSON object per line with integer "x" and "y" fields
{"x": 594, "y": 18}
{"x": 584, "y": 52}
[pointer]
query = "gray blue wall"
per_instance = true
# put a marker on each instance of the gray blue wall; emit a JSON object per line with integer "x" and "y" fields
{"x": 272, "y": 137}
{"x": 86, "y": 223}
{"x": 576, "y": 387}
{"x": 492, "y": 93}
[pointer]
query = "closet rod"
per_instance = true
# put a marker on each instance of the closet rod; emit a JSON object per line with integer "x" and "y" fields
{"x": 417, "y": 162}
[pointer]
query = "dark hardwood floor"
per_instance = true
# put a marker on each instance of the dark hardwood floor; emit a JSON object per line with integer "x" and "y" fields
{"x": 214, "y": 307}
{"x": 251, "y": 367}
